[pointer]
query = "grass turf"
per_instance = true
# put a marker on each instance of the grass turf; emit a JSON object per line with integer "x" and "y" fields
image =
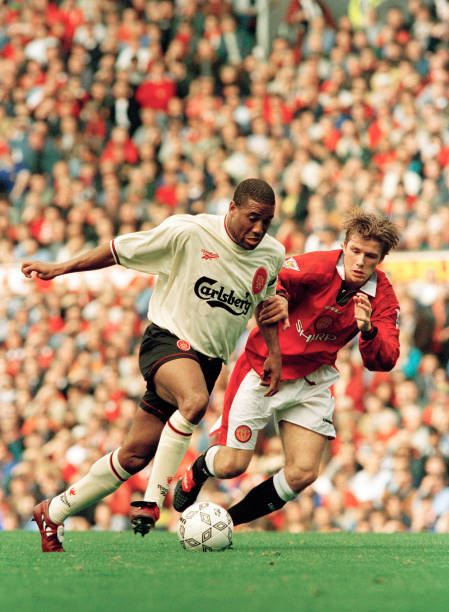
{"x": 263, "y": 572}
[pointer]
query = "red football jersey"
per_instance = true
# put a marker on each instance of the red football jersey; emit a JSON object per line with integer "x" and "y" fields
{"x": 319, "y": 326}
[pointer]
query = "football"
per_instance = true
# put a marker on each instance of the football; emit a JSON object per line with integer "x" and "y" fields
{"x": 206, "y": 527}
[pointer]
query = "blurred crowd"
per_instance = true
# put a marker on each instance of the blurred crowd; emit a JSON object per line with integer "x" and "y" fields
{"x": 117, "y": 114}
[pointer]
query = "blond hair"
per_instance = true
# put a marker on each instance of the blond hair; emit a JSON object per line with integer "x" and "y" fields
{"x": 372, "y": 226}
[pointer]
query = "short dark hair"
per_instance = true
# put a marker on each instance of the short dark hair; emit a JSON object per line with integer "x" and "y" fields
{"x": 372, "y": 226}
{"x": 255, "y": 188}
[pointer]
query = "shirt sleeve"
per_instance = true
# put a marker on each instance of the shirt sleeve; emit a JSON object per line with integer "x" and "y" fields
{"x": 299, "y": 272}
{"x": 274, "y": 280}
{"x": 151, "y": 251}
{"x": 382, "y": 352}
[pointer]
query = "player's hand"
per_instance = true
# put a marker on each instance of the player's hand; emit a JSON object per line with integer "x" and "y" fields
{"x": 362, "y": 311}
{"x": 39, "y": 269}
{"x": 271, "y": 375}
{"x": 273, "y": 310}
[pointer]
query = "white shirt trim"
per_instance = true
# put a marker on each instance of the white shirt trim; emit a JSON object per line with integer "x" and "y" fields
{"x": 370, "y": 287}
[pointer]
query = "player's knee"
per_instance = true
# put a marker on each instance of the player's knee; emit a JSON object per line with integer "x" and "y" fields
{"x": 231, "y": 464}
{"x": 194, "y": 407}
{"x": 133, "y": 459}
{"x": 299, "y": 477}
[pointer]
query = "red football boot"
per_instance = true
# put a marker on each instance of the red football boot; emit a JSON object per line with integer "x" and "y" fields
{"x": 188, "y": 487}
{"x": 143, "y": 516}
{"x": 52, "y": 535}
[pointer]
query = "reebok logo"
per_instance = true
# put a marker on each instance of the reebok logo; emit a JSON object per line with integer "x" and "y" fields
{"x": 208, "y": 254}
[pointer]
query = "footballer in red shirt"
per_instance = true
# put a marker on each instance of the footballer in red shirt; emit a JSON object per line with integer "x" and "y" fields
{"x": 331, "y": 297}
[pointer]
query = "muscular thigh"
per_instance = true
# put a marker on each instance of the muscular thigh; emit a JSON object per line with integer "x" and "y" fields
{"x": 303, "y": 448}
{"x": 231, "y": 461}
{"x": 180, "y": 378}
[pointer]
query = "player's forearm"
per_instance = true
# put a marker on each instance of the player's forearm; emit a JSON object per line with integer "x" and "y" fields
{"x": 95, "y": 259}
{"x": 271, "y": 336}
{"x": 273, "y": 310}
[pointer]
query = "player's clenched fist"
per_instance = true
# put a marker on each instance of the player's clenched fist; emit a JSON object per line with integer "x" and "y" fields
{"x": 39, "y": 269}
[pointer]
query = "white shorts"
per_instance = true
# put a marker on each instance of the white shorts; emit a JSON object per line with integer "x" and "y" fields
{"x": 307, "y": 402}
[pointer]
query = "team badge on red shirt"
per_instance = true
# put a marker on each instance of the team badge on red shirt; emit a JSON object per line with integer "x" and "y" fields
{"x": 259, "y": 280}
{"x": 242, "y": 433}
{"x": 291, "y": 264}
{"x": 323, "y": 322}
{"x": 183, "y": 345}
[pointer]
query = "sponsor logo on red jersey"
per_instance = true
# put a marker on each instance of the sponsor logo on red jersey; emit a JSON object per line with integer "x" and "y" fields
{"x": 183, "y": 345}
{"x": 242, "y": 433}
{"x": 320, "y": 336}
{"x": 208, "y": 254}
{"x": 259, "y": 280}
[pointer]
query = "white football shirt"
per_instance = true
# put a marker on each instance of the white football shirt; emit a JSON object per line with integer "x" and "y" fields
{"x": 207, "y": 286}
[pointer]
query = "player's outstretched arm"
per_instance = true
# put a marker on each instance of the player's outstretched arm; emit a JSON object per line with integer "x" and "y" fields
{"x": 100, "y": 257}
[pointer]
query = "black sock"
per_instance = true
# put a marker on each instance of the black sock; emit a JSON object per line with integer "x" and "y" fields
{"x": 200, "y": 471}
{"x": 261, "y": 500}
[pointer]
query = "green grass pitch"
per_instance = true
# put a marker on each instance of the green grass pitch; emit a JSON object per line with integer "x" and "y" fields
{"x": 263, "y": 572}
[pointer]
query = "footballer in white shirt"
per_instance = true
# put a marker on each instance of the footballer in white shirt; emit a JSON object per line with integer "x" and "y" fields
{"x": 212, "y": 274}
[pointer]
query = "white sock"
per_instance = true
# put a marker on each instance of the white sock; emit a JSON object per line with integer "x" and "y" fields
{"x": 172, "y": 447}
{"x": 282, "y": 487}
{"x": 104, "y": 477}
{"x": 209, "y": 458}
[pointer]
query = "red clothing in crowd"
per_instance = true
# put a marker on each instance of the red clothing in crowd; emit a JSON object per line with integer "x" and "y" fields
{"x": 126, "y": 153}
{"x": 156, "y": 94}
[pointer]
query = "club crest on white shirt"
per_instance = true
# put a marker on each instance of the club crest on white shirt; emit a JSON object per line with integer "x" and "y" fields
{"x": 259, "y": 280}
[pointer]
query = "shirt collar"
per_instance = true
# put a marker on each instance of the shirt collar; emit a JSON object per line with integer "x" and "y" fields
{"x": 369, "y": 287}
